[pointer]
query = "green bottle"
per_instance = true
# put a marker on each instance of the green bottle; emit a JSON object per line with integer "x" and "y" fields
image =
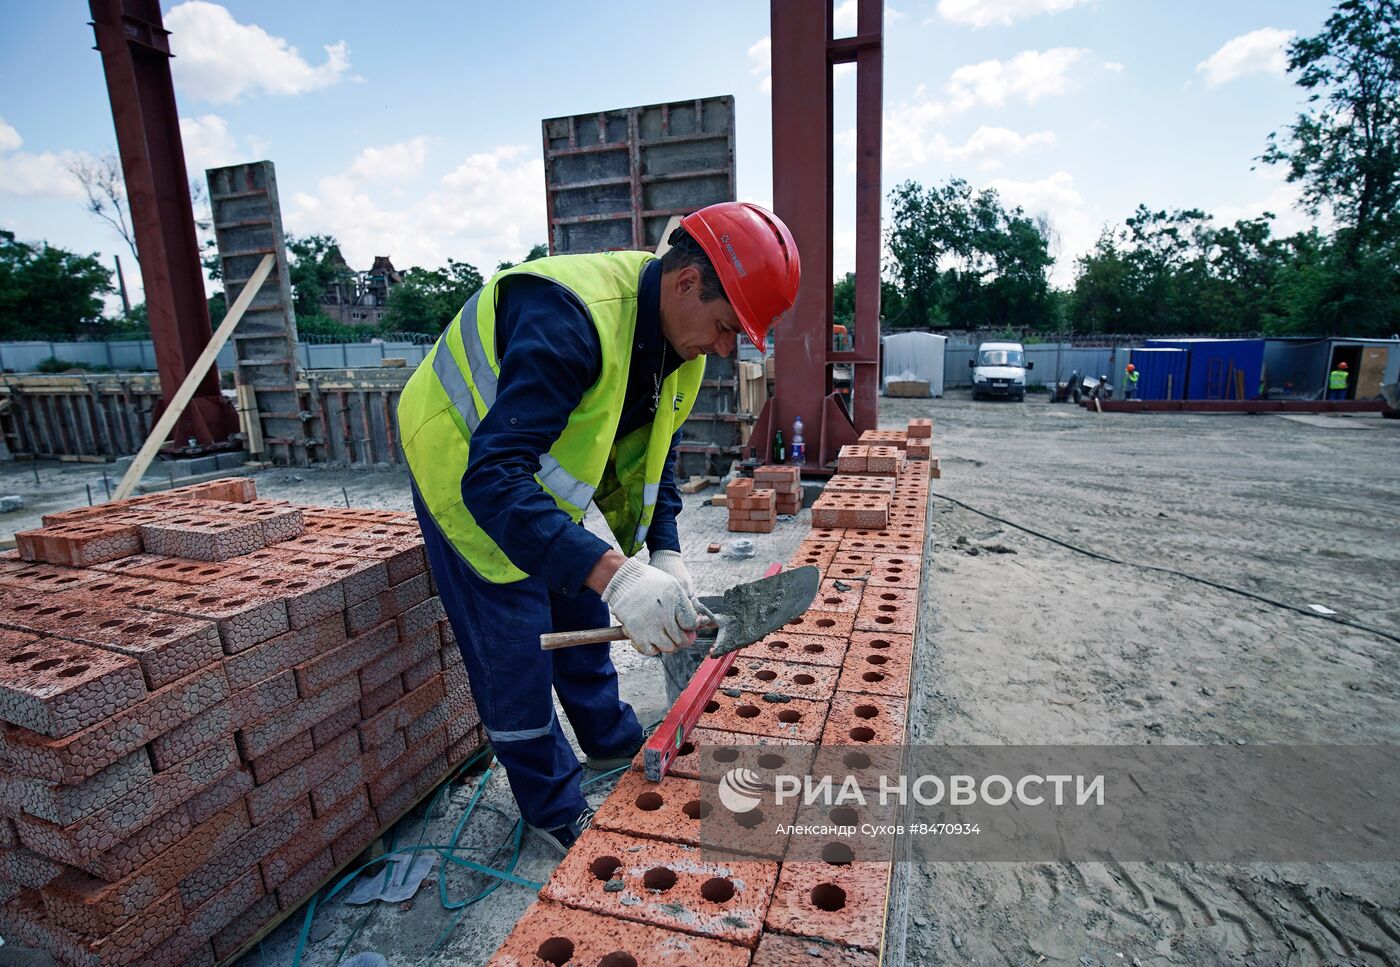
{"x": 779, "y": 449}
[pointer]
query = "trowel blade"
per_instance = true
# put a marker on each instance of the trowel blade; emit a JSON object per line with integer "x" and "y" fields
{"x": 751, "y": 611}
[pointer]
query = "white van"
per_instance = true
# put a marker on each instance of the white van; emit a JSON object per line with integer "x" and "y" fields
{"x": 999, "y": 370}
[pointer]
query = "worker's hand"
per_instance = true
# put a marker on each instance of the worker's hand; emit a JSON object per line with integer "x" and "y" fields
{"x": 655, "y": 610}
{"x": 671, "y": 563}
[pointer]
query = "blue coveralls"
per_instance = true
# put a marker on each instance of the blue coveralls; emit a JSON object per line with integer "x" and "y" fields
{"x": 550, "y": 355}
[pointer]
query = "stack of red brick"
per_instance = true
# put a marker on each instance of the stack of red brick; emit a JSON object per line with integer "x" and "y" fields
{"x": 755, "y": 503}
{"x": 752, "y": 510}
{"x": 208, "y": 704}
{"x": 844, "y": 669}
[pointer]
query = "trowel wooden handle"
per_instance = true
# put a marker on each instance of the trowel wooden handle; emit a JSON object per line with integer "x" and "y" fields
{"x": 590, "y": 636}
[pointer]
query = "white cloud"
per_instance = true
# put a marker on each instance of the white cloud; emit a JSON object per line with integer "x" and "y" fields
{"x": 1260, "y": 51}
{"x": 9, "y": 137}
{"x": 27, "y": 174}
{"x": 893, "y": 16}
{"x": 760, "y": 63}
{"x": 1278, "y": 196}
{"x": 1029, "y": 76}
{"x": 1055, "y": 197}
{"x": 487, "y": 209}
{"x": 907, "y": 141}
{"x": 398, "y": 161}
{"x": 219, "y": 59}
{"x": 208, "y": 144}
{"x": 990, "y": 145}
{"x": 984, "y": 13}
{"x": 843, "y": 19}
{"x": 1113, "y": 67}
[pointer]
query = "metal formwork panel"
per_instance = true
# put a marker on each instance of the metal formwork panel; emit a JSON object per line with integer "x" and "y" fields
{"x": 247, "y": 226}
{"x": 614, "y": 178}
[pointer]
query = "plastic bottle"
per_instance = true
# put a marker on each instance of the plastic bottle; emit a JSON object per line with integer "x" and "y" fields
{"x": 779, "y": 450}
{"x": 799, "y": 449}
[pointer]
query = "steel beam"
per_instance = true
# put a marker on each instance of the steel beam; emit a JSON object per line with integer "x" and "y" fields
{"x": 135, "y": 48}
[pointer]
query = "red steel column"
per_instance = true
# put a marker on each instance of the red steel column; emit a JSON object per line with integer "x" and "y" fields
{"x": 135, "y": 50}
{"x": 870, "y": 71}
{"x": 802, "y": 166}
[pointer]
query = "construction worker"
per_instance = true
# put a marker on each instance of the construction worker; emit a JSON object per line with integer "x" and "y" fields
{"x": 1130, "y": 384}
{"x": 562, "y": 383}
{"x": 1337, "y": 382}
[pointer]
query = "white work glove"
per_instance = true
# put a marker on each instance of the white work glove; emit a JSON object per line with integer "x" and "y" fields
{"x": 654, "y": 608}
{"x": 671, "y": 563}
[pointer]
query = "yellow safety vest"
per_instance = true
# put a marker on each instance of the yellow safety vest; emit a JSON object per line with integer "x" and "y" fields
{"x": 455, "y": 385}
{"x": 1337, "y": 379}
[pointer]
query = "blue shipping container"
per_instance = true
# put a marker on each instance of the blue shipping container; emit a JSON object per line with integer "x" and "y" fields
{"x": 1161, "y": 373}
{"x": 1212, "y": 364}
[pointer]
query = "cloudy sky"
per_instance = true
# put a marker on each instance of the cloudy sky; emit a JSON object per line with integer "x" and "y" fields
{"x": 413, "y": 130}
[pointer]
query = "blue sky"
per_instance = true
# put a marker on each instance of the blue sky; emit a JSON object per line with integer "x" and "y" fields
{"x": 415, "y": 132}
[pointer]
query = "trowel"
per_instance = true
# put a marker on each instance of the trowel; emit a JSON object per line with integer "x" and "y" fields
{"x": 744, "y": 614}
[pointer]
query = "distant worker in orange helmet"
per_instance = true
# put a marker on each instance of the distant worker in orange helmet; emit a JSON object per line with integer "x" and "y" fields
{"x": 1337, "y": 382}
{"x": 561, "y": 384}
{"x": 1131, "y": 383}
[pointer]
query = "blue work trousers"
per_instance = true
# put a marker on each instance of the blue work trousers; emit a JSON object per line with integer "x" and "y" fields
{"x": 498, "y": 628}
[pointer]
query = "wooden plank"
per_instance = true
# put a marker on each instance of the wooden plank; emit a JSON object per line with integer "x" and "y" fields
{"x": 185, "y": 393}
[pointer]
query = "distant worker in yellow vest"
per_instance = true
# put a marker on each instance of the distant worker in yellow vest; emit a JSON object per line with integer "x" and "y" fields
{"x": 1337, "y": 382}
{"x": 1130, "y": 385}
{"x": 562, "y": 383}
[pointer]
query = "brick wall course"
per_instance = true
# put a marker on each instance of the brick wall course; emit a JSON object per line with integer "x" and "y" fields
{"x": 808, "y": 649}
{"x": 552, "y": 933}
{"x": 843, "y": 904}
{"x": 759, "y": 676}
{"x": 664, "y": 884}
{"x": 745, "y": 712}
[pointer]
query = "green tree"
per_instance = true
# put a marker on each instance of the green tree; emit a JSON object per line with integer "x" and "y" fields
{"x": 427, "y": 299}
{"x": 538, "y": 251}
{"x": 314, "y": 266}
{"x": 48, "y": 292}
{"x": 959, "y": 257}
{"x": 1345, "y": 148}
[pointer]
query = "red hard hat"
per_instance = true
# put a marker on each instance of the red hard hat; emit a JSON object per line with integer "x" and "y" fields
{"x": 756, "y": 259}
{"x": 1341, "y": 365}
{"x": 1131, "y": 367}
